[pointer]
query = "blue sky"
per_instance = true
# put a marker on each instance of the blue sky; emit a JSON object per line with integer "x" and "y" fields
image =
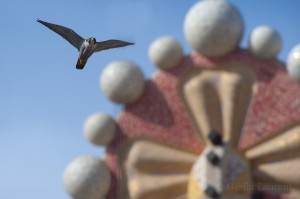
{"x": 45, "y": 100}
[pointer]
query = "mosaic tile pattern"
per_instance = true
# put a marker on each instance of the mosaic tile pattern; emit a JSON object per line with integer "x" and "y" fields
{"x": 160, "y": 114}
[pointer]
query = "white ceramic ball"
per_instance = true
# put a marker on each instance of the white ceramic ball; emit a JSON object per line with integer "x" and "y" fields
{"x": 265, "y": 42}
{"x": 213, "y": 28}
{"x": 99, "y": 129}
{"x": 165, "y": 52}
{"x": 87, "y": 177}
{"x": 293, "y": 63}
{"x": 122, "y": 82}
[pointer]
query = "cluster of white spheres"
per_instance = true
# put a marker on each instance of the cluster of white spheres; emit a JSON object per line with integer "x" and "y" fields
{"x": 165, "y": 52}
{"x": 213, "y": 28}
{"x": 87, "y": 177}
{"x": 265, "y": 42}
{"x": 122, "y": 82}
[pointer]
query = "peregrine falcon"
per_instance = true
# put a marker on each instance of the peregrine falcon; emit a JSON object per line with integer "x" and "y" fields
{"x": 85, "y": 47}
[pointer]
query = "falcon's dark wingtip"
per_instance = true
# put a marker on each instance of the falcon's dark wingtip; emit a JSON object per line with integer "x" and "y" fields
{"x": 40, "y": 21}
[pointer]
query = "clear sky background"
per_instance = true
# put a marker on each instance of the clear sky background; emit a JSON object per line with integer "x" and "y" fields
{"x": 44, "y": 100}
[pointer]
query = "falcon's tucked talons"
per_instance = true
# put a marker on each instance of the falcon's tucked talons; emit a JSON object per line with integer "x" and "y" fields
{"x": 80, "y": 64}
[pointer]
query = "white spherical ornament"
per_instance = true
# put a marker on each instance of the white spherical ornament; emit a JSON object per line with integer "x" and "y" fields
{"x": 213, "y": 28}
{"x": 293, "y": 63}
{"x": 122, "y": 82}
{"x": 165, "y": 53}
{"x": 99, "y": 129}
{"x": 265, "y": 42}
{"x": 87, "y": 177}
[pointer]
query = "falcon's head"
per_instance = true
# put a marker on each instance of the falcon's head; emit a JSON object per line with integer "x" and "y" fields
{"x": 92, "y": 40}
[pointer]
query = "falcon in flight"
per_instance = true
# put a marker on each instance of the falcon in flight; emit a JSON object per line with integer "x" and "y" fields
{"x": 85, "y": 47}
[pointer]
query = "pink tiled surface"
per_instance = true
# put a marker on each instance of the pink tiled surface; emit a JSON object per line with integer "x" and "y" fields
{"x": 160, "y": 114}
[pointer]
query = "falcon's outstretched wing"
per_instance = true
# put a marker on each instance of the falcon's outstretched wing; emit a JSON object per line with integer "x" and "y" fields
{"x": 67, "y": 33}
{"x": 105, "y": 45}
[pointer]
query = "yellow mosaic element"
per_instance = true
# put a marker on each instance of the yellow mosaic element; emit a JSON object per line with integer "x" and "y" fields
{"x": 194, "y": 191}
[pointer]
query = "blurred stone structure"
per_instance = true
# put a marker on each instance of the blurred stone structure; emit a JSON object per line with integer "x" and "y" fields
{"x": 222, "y": 122}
